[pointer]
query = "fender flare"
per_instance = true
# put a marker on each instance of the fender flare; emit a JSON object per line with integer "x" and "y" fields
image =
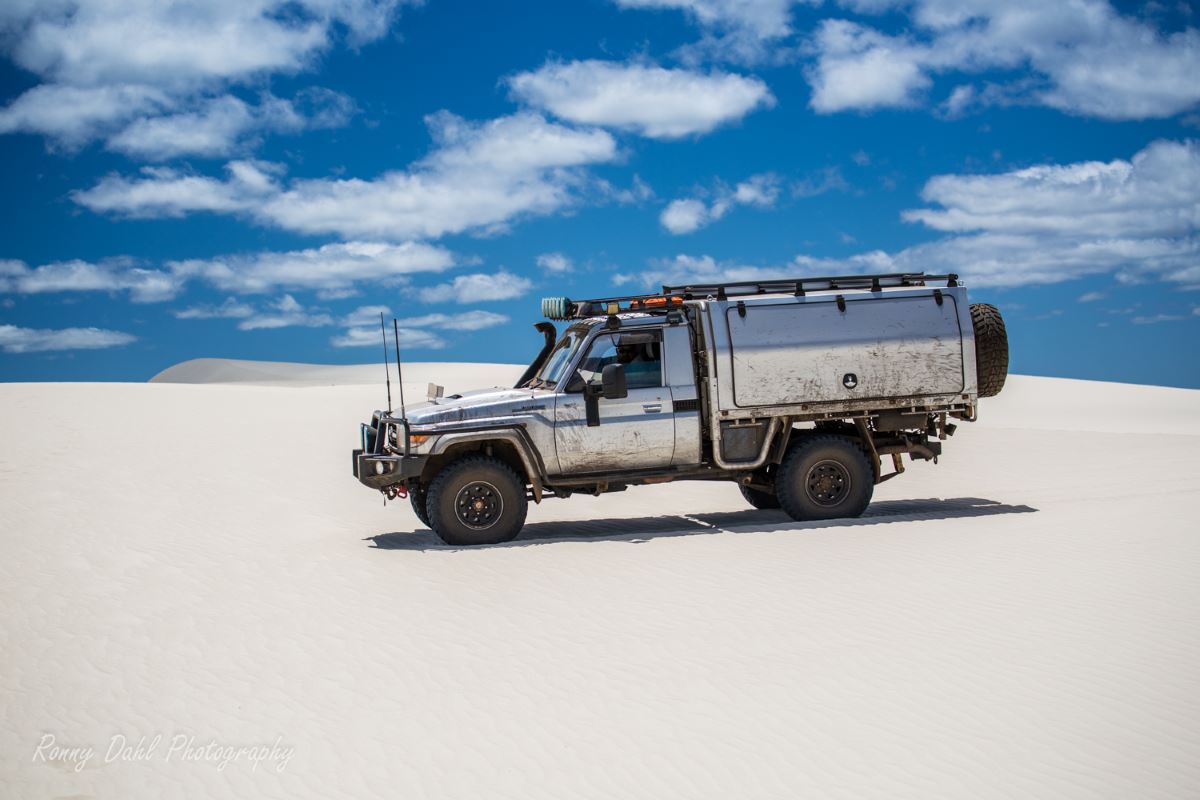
{"x": 517, "y": 437}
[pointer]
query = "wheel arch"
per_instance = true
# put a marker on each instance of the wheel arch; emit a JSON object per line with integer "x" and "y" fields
{"x": 510, "y": 445}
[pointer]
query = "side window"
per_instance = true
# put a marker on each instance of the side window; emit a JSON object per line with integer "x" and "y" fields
{"x": 641, "y": 353}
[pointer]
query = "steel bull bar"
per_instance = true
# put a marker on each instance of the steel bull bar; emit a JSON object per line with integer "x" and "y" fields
{"x": 374, "y": 466}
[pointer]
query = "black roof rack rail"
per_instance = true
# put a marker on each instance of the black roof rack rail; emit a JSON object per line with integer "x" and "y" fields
{"x": 564, "y": 308}
{"x": 800, "y": 286}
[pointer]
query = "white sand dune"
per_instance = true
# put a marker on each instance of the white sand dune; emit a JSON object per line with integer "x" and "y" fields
{"x": 417, "y": 376}
{"x": 1022, "y": 620}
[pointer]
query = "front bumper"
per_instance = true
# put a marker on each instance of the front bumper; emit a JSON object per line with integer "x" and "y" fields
{"x": 380, "y": 471}
{"x": 378, "y": 467}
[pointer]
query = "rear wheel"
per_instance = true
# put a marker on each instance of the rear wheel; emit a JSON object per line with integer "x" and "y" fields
{"x": 759, "y": 499}
{"x": 477, "y": 500}
{"x": 825, "y": 477}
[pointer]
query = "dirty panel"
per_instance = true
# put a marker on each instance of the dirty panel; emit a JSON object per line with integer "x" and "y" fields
{"x": 811, "y": 352}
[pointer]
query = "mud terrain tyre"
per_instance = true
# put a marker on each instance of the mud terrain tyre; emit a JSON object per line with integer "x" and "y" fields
{"x": 825, "y": 477}
{"x": 991, "y": 348}
{"x": 759, "y": 499}
{"x": 419, "y": 496}
{"x": 477, "y": 500}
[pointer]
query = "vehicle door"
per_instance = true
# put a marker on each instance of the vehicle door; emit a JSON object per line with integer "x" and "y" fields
{"x": 634, "y": 432}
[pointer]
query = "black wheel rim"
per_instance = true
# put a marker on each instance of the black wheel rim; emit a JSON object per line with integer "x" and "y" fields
{"x": 478, "y": 505}
{"x": 827, "y": 483}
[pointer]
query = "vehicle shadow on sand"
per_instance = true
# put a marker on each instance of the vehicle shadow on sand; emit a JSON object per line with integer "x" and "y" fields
{"x": 636, "y": 530}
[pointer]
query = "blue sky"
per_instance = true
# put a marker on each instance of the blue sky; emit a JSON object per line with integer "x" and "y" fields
{"x": 258, "y": 179}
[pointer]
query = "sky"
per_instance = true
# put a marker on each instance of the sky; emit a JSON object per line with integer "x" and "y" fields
{"x": 260, "y": 179}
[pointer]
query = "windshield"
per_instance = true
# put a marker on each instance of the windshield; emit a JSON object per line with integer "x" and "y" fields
{"x": 554, "y": 370}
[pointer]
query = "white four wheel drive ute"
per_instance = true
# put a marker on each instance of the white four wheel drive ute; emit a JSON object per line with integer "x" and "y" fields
{"x": 799, "y": 390}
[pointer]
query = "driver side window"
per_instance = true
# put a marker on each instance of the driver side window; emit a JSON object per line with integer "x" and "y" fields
{"x": 641, "y": 353}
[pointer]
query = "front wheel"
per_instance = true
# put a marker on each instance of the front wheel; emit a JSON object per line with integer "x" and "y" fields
{"x": 825, "y": 477}
{"x": 477, "y": 500}
{"x": 418, "y": 496}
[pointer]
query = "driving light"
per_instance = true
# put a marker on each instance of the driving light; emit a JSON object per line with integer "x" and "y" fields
{"x": 380, "y": 468}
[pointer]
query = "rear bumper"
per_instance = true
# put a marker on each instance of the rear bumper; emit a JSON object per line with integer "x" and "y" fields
{"x": 381, "y": 471}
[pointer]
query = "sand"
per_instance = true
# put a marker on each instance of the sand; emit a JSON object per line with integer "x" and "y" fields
{"x": 193, "y": 559}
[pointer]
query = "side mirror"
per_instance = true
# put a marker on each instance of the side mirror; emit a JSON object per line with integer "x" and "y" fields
{"x": 612, "y": 379}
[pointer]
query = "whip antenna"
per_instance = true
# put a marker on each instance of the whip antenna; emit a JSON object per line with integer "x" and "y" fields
{"x": 387, "y": 373}
{"x": 399, "y": 374}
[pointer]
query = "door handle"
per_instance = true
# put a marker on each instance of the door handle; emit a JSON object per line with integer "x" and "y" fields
{"x": 652, "y": 408}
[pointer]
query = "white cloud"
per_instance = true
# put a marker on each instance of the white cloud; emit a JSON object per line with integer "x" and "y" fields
{"x": 647, "y": 99}
{"x": 329, "y": 267}
{"x": 734, "y": 30}
{"x": 825, "y": 180}
{"x": 1091, "y": 297}
{"x": 765, "y": 18}
{"x": 466, "y": 321}
{"x": 165, "y": 192}
{"x": 105, "y": 62}
{"x": 478, "y": 178}
{"x": 72, "y": 115}
{"x": 477, "y": 288}
{"x": 684, "y": 216}
{"x": 230, "y": 309}
{"x": 415, "y": 332}
{"x": 1156, "y": 193}
{"x": 226, "y": 123}
{"x": 858, "y": 68}
{"x": 1081, "y": 57}
{"x": 410, "y": 339}
{"x": 1136, "y": 219}
{"x": 113, "y": 275}
{"x": 690, "y": 214}
{"x": 554, "y": 262}
{"x": 286, "y": 312}
{"x": 1156, "y": 318}
{"x": 35, "y": 340}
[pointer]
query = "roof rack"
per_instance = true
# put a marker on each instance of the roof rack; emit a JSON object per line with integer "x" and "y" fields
{"x": 799, "y": 286}
{"x": 563, "y": 308}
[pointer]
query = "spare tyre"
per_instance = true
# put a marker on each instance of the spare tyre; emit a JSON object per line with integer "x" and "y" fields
{"x": 991, "y": 348}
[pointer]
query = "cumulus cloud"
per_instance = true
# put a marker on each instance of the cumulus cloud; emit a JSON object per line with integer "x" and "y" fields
{"x": 225, "y": 124}
{"x": 415, "y": 332}
{"x": 1082, "y": 58}
{"x": 733, "y": 30}
{"x": 643, "y": 98}
{"x": 104, "y": 63}
{"x": 478, "y": 178}
{"x": 477, "y": 288}
{"x": 554, "y": 262}
{"x": 687, "y": 215}
{"x": 1137, "y": 219}
{"x": 71, "y": 115}
{"x": 286, "y": 312}
{"x": 859, "y": 68}
{"x": 330, "y": 269}
{"x": 166, "y": 192}
{"x": 230, "y": 309}
{"x": 765, "y": 18}
{"x": 113, "y": 275}
{"x": 34, "y": 340}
